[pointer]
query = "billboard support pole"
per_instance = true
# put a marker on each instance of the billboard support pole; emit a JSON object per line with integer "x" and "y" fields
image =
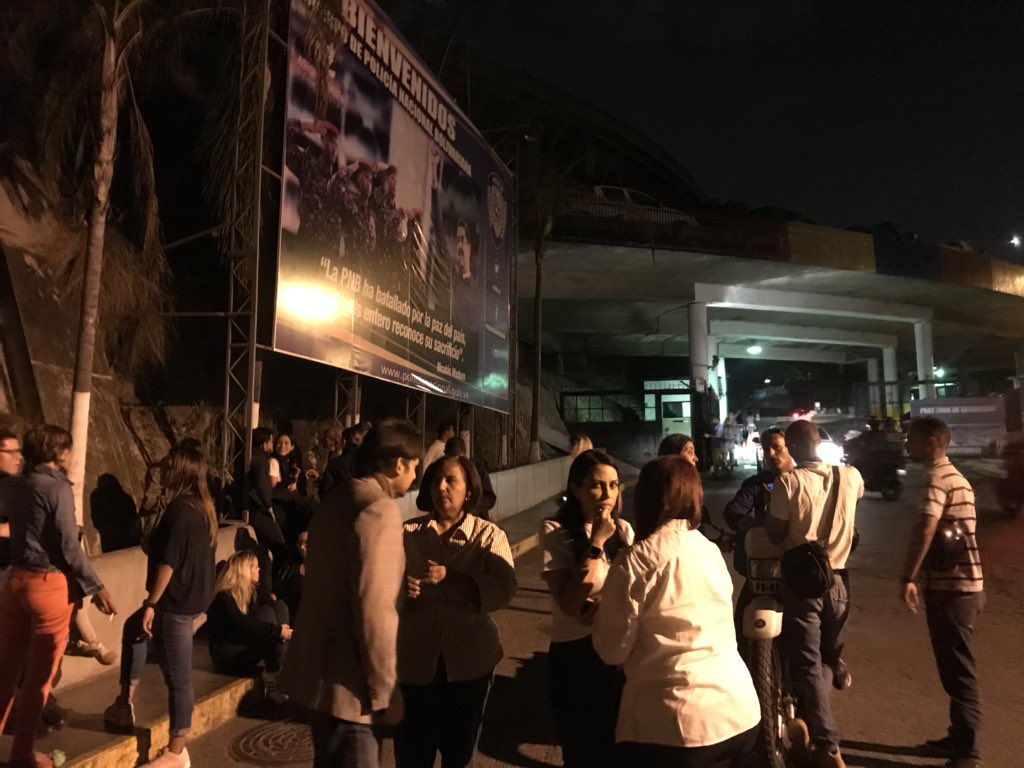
{"x": 243, "y": 236}
{"x": 416, "y": 412}
{"x": 347, "y": 398}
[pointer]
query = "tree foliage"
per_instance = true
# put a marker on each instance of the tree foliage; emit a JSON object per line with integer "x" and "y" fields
{"x": 50, "y": 63}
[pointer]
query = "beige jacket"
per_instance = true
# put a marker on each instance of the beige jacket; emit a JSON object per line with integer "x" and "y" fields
{"x": 342, "y": 658}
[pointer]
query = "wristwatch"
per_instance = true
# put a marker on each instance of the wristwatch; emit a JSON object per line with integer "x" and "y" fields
{"x": 148, "y": 604}
{"x": 595, "y": 553}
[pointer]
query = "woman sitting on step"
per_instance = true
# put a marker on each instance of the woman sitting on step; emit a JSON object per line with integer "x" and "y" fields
{"x": 245, "y": 637}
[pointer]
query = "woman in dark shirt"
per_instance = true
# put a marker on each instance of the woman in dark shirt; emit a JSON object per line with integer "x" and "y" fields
{"x": 243, "y": 635}
{"x": 180, "y": 575}
{"x": 49, "y": 571}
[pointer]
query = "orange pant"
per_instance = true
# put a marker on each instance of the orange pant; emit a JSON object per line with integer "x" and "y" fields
{"x": 34, "y": 617}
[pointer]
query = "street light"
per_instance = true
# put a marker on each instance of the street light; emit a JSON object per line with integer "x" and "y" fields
{"x": 754, "y": 349}
{"x": 767, "y": 381}
{"x": 1015, "y": 241}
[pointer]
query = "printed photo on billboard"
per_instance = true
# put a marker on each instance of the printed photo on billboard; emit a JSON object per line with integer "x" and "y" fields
{"x": 395, "y": 215}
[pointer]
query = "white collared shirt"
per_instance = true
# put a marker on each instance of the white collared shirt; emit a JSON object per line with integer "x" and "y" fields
{"x": 666, "y": 616}
{"x": 800, "y": 497}
{"x": 441, "y": 622}
{"x": 558, "y": 553}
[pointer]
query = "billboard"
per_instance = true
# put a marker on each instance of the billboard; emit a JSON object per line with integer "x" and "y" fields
{"x": 395, "y": 217}
{"x": 977, "y": 425}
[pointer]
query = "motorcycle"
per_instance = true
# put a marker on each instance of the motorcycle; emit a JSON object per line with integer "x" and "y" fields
{"x": 881, "y": 466}
{"x": 781, "y": 734}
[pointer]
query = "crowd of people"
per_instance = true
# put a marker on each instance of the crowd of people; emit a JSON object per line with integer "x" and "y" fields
{"x": 372, "y": 623}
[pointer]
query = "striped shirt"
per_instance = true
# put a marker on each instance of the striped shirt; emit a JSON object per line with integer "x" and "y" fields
{"x": 947, "y": 494}
{"x": 442, "y": 623}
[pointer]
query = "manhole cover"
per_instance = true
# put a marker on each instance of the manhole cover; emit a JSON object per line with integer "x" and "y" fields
{"x": 284, "y": 743}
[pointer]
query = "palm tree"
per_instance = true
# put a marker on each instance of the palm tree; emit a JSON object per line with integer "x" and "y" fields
{"x": 70, "y": 75}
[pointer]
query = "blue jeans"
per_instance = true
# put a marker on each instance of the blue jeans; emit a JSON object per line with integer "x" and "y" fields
{"x": 951, "y": 617}
{"x": 813, "y": 632}
{"x": 172, "y": 638}
{"x": 343, "y": 744}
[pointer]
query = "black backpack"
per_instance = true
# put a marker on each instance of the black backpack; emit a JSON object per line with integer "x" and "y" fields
{"x": 806, "y": 568}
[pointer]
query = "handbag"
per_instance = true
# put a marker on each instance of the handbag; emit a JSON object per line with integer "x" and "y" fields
{"x": 806, "y": 568}
{"x": 948, "y": 545}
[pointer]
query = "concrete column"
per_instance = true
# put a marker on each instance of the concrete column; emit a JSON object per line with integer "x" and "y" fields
{"x": 874, "y": 387}
{"x": 723, "y": 391}
{"x": 890, "y": 375}
{"x": 872, "y": 370}
{"x": 925, "y": 357}
{"x": 697, "y": 313}
{"x": 889, "y": 372}
{"x": 712, "y": 371}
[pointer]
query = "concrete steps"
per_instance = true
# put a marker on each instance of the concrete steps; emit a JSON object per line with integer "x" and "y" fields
{"x": 87, "y": 744}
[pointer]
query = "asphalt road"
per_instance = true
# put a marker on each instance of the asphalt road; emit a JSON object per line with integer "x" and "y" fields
{"x": 895, "y": 701}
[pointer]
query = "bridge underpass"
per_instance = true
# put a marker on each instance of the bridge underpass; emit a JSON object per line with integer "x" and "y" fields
{"x": 633, "y": 302}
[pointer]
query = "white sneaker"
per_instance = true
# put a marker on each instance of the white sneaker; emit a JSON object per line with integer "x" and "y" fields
{"x": 168, "y": 759}
{"x": 100, "y": 652}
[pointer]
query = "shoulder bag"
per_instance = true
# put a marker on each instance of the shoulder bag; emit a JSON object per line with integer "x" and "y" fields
{"x": 806, "y": 568}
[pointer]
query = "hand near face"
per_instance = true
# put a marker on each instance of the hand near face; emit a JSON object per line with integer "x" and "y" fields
{"x": 603, "y": 528}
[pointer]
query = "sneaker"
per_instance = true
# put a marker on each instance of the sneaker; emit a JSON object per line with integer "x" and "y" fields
{"x": 100, "y": 652}
{"x": 54, "y": 715}
{"x": 119, "y": 716}
{"x": 168, "y": 759}
{"x": 841, "y": 677}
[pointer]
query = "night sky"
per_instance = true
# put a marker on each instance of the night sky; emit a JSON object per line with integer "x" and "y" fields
{"x": 850, "y": 113}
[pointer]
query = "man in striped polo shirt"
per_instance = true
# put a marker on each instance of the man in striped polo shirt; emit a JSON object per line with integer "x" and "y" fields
{"x": 954, "y": 598}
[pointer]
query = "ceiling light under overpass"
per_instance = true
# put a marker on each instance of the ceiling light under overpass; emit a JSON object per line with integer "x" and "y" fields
{"x": 754, "y": 349}
{"x": 938, "y": 373}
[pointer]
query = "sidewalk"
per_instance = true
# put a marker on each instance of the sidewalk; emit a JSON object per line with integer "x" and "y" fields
{"x": 86, "y": 744}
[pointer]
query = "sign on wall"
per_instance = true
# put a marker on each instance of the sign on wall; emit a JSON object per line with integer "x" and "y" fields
{"x": 395, "y": 215}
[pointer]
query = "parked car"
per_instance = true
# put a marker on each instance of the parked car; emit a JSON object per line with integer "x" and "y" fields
{"x": 626, "y": 210}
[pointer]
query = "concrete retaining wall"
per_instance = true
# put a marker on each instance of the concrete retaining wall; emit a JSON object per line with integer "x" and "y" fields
{"x": 517, "y": 489}
{"x": 124, "y": 574}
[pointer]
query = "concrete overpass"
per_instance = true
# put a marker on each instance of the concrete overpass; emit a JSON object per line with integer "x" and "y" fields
{"x": 823, "y": 295}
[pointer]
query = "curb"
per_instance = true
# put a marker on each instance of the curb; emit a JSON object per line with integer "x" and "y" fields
{"x": 211, "y": 711}
{"x": 522, "y": 547}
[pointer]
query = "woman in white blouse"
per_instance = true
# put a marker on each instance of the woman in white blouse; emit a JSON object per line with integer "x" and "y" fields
{"x": 458, "y": 570}
{"x": 666, "y": 616}
{"x": 577, "y": 546}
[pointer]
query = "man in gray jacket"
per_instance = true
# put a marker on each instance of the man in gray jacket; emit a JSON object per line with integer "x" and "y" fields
{"x": 341, "y": 661}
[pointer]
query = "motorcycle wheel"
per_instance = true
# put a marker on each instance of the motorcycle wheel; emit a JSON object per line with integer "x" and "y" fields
{"x": 893, "y": 491}
{"x": 765, "y": 671}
